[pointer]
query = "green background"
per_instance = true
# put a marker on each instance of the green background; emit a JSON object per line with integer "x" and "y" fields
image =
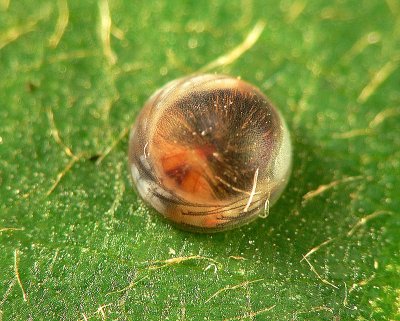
{"x": 83, "y": 69}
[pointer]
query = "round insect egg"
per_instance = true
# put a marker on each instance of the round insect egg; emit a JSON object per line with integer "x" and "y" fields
{"x": 209, "y": 152}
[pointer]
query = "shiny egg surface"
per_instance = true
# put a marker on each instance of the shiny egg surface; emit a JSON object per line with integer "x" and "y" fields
{"x": 209, "y": 152}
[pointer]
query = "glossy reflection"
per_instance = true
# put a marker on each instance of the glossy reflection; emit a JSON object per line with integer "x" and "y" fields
{"x": 209, "y": 152}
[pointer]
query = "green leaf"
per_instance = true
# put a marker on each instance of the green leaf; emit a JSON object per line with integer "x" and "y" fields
{"x": 77, "y": 243}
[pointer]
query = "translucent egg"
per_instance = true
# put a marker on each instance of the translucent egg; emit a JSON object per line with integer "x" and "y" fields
{"x": 209, "y": 152}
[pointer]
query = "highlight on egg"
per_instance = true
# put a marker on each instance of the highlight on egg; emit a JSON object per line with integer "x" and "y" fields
{"x": 210, "y": 152}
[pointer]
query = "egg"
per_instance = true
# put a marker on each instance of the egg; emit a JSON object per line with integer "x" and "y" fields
{"x": 209, "y": 153}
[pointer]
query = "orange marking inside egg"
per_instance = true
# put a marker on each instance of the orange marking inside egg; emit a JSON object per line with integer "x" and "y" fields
{"x": 186, "y": 171}
{"x": 211, "y": 221}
